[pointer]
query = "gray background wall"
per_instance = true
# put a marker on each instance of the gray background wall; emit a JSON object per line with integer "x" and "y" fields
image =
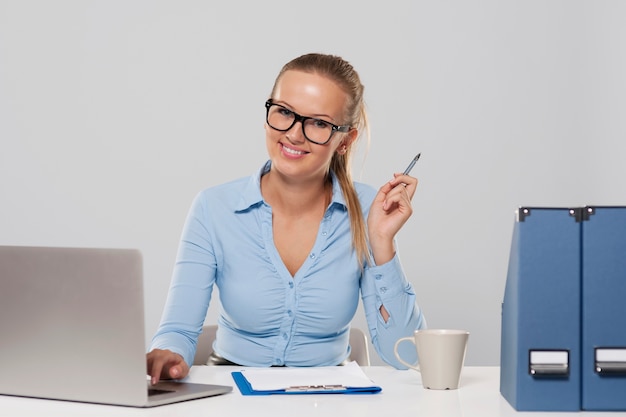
{"x": 114, "y": 114}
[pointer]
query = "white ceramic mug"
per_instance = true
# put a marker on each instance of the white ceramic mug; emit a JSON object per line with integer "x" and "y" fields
{"x": 440, "y": 353}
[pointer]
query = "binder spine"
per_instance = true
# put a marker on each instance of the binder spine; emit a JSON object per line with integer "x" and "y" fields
{"x": 604, "y": 310}
{"x": 541, "y": 311}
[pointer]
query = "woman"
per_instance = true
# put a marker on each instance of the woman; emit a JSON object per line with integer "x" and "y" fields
{"x": 289, "y": 248}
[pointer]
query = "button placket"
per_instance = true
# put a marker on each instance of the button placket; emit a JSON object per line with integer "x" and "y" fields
{"x": 285, "y": 331}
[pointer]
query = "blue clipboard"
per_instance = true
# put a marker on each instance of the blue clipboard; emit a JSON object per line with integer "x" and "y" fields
{"x": 246, "y": 389}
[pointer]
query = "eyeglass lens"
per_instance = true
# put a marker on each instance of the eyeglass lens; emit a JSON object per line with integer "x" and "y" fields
{"x": 315, "y": 130}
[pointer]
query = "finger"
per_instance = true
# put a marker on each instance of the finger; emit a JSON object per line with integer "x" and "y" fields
{"x": 155, "y": 371}
{"x": 403, "y": 179}
{"x": 150, "y": 365}
{"x": 159, "y": 362}
{"x": 384, "y": 190}
{"x": 175, "y": 371}
{"x": 409, "y": 183}
{"x": 401, "y": 189}
{"x": 397, "y": 199}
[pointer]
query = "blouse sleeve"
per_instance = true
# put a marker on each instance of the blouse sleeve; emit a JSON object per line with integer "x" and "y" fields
{"x": 190, "y": 289}
{"x": 387, "y": 285}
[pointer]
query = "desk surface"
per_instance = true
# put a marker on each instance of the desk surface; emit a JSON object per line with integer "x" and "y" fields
{"x": 402, "y": 395}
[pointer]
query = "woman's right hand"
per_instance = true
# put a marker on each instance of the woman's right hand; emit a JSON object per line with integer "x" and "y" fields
{"x": 165, "y": 364}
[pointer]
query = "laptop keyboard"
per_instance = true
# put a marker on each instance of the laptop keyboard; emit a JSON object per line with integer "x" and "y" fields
{"x": 153, "y": 391}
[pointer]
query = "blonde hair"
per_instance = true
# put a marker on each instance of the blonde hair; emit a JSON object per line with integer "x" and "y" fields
{"x": 345, "y": 76}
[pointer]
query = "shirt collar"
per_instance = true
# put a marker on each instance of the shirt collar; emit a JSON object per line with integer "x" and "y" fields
{"x": 251, "y": 194}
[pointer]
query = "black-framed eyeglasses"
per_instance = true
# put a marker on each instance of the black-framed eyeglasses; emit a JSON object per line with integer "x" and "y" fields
{"x": 315, "y": 130}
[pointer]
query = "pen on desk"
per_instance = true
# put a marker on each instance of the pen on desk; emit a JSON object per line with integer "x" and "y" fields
{"x": 412, "y": 164}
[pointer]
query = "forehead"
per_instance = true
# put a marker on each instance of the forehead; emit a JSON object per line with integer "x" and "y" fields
{"x": 311, "y": 93}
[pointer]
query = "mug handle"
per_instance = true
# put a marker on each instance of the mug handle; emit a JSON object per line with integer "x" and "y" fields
{"x": 411, "y": 339}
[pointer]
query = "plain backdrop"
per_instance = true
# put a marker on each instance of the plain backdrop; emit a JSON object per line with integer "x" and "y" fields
{"x": 115, "y": 114}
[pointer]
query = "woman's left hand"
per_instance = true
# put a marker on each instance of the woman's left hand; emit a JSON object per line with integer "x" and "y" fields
{"x": 390, "y": 210}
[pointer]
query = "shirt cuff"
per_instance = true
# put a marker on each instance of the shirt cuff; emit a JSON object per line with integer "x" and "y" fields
{"x": 173, "y": 342}
{"x": 389, "y": 279}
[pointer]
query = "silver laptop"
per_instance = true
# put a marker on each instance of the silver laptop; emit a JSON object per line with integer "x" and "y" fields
{"x": 72, "y": 328}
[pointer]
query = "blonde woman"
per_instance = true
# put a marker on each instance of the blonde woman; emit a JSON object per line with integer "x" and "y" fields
{"x": 293, "y": 247}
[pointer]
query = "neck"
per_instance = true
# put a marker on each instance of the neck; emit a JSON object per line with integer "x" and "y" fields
{"x": 295, "y": 197}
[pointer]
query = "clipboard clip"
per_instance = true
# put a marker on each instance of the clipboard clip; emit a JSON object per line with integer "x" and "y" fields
{"x": 305, "y": 388}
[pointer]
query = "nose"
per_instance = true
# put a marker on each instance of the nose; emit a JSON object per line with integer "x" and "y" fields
{"x": 295, "y": 134}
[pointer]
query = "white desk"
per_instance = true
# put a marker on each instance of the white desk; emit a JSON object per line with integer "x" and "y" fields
{"x": 402, "y": 395}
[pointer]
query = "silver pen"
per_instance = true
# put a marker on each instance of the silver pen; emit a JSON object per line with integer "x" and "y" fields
{"x": 412, "y": 164}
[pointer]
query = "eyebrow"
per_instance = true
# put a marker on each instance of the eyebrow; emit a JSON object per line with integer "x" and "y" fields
{"x": 317, "y": 116}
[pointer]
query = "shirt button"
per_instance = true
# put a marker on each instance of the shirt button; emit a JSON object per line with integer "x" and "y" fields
{"x": 312, "y": 256}
{"x": 290, "y": 313}
{"x": 324, "y": 233}
{"x": 383, "y": 289}
{"x": 378, "y": 277}
{"x": 291, "y": 285}
{"x": 285, "y": 336}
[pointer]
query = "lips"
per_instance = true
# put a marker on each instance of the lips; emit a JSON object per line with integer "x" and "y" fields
{"x": 291, "y": 151}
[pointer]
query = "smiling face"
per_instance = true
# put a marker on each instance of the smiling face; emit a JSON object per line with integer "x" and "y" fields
{"x": 309, "y": 95}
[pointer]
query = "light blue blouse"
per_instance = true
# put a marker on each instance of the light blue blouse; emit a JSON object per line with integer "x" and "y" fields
{"x": 268, "y": 317}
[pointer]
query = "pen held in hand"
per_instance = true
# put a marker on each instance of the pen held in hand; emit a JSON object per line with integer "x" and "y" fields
{"x": 412, "y": 164}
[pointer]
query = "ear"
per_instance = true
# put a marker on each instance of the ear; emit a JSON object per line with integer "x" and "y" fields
{"x": 347, "y": 141}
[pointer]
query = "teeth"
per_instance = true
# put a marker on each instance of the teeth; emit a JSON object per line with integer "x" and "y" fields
{"x": 292, "y": 151}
